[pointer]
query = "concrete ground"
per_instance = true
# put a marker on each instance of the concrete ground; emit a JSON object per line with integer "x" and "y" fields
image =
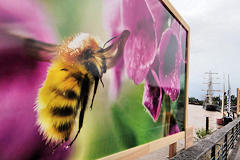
{"x": 235, "y": 153}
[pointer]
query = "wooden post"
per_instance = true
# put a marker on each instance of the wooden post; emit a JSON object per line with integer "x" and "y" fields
{"x": 207, "y": 124}
{"x": 223, "y": 96}
{"x": 237, "y": 111}
{"x": 188, "y": 142}
{"x": 172, "y": 150}
{"x": 189, "y": 137}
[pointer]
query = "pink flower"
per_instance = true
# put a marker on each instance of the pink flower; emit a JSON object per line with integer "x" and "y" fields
{"x": 153, "y": 93}
{"x": 140, "y": 49}
{"x": 170, "y": 59}
{"x": 152, "y": 99}
{"x": 165, "y": 71}
{"x": 183, "y": 36}
{"x": 173, "y": 126}
{"x": 21, "y": 77}
{"x": 150, "y": 54}
{"x": 174, "y": 129}
{"x": 144, "y": 21}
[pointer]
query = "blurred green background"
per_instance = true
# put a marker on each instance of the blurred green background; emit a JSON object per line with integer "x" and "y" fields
{"x": 74, "y": 16}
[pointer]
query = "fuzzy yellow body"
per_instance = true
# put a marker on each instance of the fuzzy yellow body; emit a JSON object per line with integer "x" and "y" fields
{"x": 78, "y": 65}
{"x": 51, "y": 96}
{"x": 57, "y": 111}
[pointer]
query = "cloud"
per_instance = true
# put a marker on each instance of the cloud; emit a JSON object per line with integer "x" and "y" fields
{"x": 214, "y": 42}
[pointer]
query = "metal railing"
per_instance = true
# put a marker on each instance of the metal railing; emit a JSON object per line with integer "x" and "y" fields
{"x": 215, "y": 146}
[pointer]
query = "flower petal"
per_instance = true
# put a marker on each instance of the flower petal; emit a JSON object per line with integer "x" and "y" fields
{"x": 173, "y": 126}
{"x": 183, "y": 43}
{"x": 140, "y": 47}
{"x": 160, "y": 17}
{"x": 183, "y": 36}
{"x": 152, "y": 100}
{"x": 140, "y": 51}
{"x": 176, "y": 27}
{"x": 135, "y": 12}
{"x": 170, "y": 58}
{"x": 174, "y": 129}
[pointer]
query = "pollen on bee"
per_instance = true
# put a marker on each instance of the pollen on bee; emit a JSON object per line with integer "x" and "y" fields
{"x": 78, "y": 41}
{"x": 74, "y": 46}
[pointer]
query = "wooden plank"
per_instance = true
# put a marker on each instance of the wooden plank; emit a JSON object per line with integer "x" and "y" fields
{"x": 172, "y": 150}
{"x": 165, "y": 141}
{"x": 136, "y": 152}
{"x": 237, "y": 110}
{"x": 187, "y": 80}
{"x": 189, "y": 137}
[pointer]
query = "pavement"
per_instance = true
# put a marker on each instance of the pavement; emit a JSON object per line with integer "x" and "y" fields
{"x": 235, "y": 153}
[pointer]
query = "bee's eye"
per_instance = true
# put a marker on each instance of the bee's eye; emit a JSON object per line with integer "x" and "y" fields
{"x": 64, "y": 69}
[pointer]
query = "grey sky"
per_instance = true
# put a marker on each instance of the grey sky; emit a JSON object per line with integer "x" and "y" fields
{"x": 215, "y": 40}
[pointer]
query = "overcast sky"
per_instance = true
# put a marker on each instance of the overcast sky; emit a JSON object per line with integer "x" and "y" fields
{"x": 215, "y": 41}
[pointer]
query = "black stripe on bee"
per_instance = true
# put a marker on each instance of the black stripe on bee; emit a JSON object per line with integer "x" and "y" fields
{"x": 85, "y": 91}
{"x": 64, "y": 127}
{"x": 78, "y": 76}
{"x": 62, "y": 111}
{"x": 70, "y": 94}
{"x": 92, "y": 68}
{"x": 87, "y": 54}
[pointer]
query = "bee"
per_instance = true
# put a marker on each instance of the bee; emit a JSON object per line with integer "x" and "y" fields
{"x": 77, "y": 66}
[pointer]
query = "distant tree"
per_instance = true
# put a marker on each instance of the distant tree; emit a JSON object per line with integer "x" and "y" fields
{"x": 233, "y": 100}
{"x": 193, "y": 100}
{"x": 218, "y": 100}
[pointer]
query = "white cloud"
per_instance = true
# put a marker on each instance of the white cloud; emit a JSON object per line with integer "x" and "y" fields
{"x": 215, "y": 40}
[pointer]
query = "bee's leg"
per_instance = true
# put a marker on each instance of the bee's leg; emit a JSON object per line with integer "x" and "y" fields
{"x": 95, "y": 90}
{"x": 81, "y": 116}
{"x": 54, "y": 148}
{"x": 83, "y": 99}
{"x": 102, "y": 81}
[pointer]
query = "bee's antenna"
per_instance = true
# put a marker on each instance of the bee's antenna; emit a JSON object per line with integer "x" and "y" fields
{"x": 109, "y": 41}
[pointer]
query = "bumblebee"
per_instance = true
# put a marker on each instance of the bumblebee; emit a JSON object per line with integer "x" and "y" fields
{"x": 77, "y": 66}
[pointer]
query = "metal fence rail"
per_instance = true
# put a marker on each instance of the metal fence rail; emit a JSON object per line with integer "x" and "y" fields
{"x": 215, "y": 146}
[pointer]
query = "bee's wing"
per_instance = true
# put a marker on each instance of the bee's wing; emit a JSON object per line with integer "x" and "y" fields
{"x": 36, "y": 49}
{"x": 114, "y": 52}
{"x": 39, "y": 50}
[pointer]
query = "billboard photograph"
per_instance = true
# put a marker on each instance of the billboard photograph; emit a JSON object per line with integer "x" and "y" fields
{"x": 88, "y": 79}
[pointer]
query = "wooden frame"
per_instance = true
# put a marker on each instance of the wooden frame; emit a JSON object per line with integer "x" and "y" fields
{"x": 144, "y": 149}
{"x": 237, "y": 110}
{"x": 141, "y": 150}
